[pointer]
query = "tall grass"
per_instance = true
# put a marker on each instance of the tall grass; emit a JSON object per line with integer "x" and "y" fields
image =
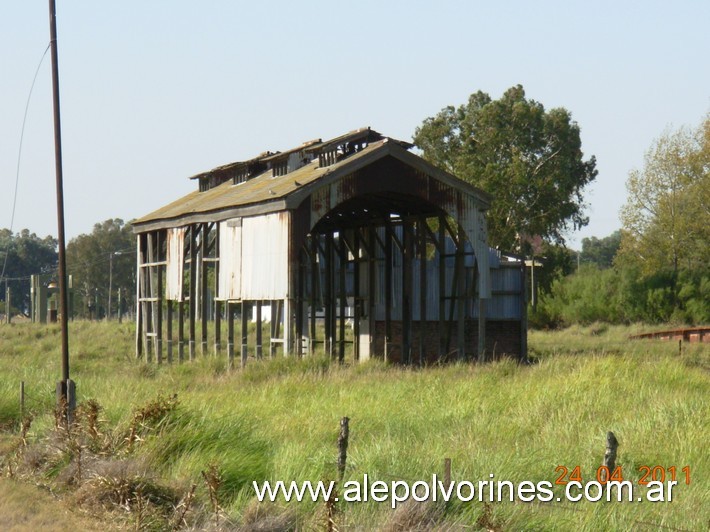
{"x": 278, "y": 420}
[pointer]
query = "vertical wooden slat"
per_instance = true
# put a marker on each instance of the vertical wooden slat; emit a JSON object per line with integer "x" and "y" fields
{"x": 217, "y": 303}
{"x": 442, "y": 289}
{"x": 372, "y": 272}
{"x": 169, "y": 327}
{"x": 460, "y": 295}
{"x": 314, "y": 283}
{"x": 259, "y": 343}
{"x": 407, "y": 249}
{"x": 204, "y": 300}
{"x": 159, "y": 294}
{"x": 388, "y": 290}
{"x": 244, "y": 332}
{"x": 230, "y": 335}
{"x": 303, "y": 257}
{"x": 343, "y": 256}
{"x": 152, "y": 291}
{"x": 422, "y": 288}
{"x": 140, "y": 337}
{"x": 357, "y": 300}
{"x": 181, "y": 331}
{"x": 328, "y": 298}
{"x": 193, "y": 291}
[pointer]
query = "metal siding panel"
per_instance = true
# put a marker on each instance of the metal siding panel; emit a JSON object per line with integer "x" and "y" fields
{"x": 230, "y": 260}
{"x": 175, "y": 263}
{"x": 265, "y": 256}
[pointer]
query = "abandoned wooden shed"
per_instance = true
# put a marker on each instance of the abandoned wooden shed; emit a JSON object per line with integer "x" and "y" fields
{"x": 358, "y": 246}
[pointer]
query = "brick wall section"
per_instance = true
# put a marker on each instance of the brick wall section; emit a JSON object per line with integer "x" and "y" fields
{"x": 502, "y": 339}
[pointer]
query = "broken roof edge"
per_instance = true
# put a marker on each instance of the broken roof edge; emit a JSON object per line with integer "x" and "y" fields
{"x": 315, "y": 146}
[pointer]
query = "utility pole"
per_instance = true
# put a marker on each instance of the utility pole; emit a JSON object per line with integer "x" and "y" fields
{"x": 65, "y": 388}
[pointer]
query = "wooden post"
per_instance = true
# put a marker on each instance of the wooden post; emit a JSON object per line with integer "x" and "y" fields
{"x": 610, "y": 455}
{"x": 407, "y": 274}
{"x": 461, "y": 296}
{"x": 343, "y": 447}
{"x": 259, "y": 334}
{"x": 314, "y": 284}
{"x": 357, "y": 300}
{"x": 447, "y": 472}
{"x": 193, "y": 290}
{"x": 230, "y": 335}
{"x": 159, "y": 294}
{"x": 217, "y": 327}
{"x": 388, "y": 291}
{"x": 204, "y": 300}
{"x": 442, "y": 289}
{"x": 422, "y": 289}
{"x": 329, "y": 298}
{"x": 342, "y": 300}
{"x": 8, "y": 318}
{"x": 169, "y": 331}
{"x": 244, "y": 332}
{"x": 181, "y": 331}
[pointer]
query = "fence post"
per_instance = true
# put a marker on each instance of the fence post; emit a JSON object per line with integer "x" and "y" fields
{"x": 447, "y": 472}
{"x": 22, "y": 400}
{"x": 610, "y": 455}
{"x": 343, "y": 447}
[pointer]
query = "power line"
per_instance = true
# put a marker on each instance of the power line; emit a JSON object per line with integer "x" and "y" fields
{"x": 19, "y": 158}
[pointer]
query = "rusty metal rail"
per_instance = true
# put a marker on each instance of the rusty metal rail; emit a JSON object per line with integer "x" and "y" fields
{"x": 688, "y": 334}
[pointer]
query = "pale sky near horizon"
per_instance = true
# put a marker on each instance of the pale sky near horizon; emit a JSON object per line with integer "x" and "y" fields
{"x": 154, "y": 92}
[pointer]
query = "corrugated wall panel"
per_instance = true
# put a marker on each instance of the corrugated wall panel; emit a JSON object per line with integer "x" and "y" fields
{"x": 265, "y": 256}
{"x": 175, "y": 263}
{"x": 230, "y": 260}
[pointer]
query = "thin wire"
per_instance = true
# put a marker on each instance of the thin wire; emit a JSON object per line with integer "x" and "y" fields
{"x": 19, "y": 158}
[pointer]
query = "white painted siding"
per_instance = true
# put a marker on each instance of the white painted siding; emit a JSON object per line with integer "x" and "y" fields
{"x": 176, "y": 264}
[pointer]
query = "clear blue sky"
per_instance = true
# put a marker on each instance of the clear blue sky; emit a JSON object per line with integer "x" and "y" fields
{"x": 156, "y": 91}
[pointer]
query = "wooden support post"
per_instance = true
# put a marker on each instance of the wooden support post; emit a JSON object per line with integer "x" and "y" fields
{"x": 259, "y": 342}
{"x": 357, "y": 299}
{"x": 612, "y": 445}
{"x": 314, "y": 285}
{"x": 169, "y": 332}
{"x": 140, "y": 338}
{"x": 181, "y": 331}
{"x": 442, "y": 290}
{"x": 371, "y": 274}
{"x": 342, "y": 296}
{"x": 204, "y": 300}
{"x": 460, "y": 295}
{"x": 298, "y": 339}
{"x": 388, "y": 291}
{"x": 159, "y": 294}
{"x": 328, "y": 310}
{"x": 217, "y": 303}
{"x": 481, "y": 329}
{"x": 244, "y": 331}
{"x": 407, "y": 250}
{"x": 217, "y": 327}
{"x": 153, "y": 297}
{"x": 422, "y": 289}
{"x": 193, "y": 290}
{"x": 230, "y": 335}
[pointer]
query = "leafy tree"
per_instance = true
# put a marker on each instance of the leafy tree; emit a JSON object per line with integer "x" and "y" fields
{"x": 528, "y": 158}
{"x": 666, "y": 218}
{"x": 600, "y": 251}
{"x": 105, "y": 256}
{"x": 22, "y": 255}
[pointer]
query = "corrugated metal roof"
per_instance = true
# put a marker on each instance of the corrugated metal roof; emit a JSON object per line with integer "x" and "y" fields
{"x": 269, "y": 193}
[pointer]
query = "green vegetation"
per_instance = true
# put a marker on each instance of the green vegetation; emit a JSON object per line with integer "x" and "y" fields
{"x": 278, "y": 420}
{"x": 530, "y": 160}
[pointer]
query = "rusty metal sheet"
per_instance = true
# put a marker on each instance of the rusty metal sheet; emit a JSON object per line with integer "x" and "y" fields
{"x": 265, "y": 256}
{"x": 175, "y": 264}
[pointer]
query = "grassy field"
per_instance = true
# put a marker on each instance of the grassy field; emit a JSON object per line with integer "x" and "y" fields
{"x": 279, "y": 420}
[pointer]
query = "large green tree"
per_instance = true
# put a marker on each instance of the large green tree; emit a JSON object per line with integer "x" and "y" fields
{"x": 666, "y": 218}
{"x": 21, "y": 255}
{"x": 528, "y": 158}
{"x": 104, "y": 257}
